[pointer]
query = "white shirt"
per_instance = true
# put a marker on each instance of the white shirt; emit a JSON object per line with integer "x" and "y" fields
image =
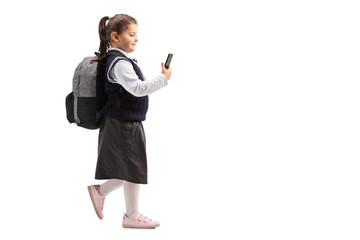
{"x": 124, "y": 74}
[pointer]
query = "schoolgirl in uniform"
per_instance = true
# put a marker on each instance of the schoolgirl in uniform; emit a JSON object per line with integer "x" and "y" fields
{"x": 121, "y": 151}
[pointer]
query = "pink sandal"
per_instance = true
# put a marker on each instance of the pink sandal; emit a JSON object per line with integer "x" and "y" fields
{"x": 139, "y": 221}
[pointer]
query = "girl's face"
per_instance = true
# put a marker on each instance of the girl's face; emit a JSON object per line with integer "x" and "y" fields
{"x": 127, "y": 40}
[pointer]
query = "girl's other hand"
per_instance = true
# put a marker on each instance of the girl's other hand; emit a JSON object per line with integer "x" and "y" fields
{"x": 166, "y": 72}
{"x": 144, "y": 77}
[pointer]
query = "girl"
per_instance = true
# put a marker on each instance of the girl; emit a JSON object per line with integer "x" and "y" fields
{"x": 121, "y": 150}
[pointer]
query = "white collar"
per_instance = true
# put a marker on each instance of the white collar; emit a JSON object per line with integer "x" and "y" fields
{"x": 122, "y": 51}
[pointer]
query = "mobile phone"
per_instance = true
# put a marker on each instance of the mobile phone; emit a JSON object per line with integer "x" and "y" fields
{"x": 168, "y": 60}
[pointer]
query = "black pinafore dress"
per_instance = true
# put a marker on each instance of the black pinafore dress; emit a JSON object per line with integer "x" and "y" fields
{"x": 122, "y": 145}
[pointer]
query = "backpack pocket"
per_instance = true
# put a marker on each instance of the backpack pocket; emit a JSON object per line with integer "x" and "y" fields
{"x": 69, "y": 103}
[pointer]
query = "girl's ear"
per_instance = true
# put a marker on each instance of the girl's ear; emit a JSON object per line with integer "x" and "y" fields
{"x": 114, "y": 37}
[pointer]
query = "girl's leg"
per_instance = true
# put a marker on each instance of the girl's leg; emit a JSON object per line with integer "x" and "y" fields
{"x": 110, "y": 185}
{"x": 131, "y": 192}
{"x": 98, "y": 193}
{"x": 132, "y": 218}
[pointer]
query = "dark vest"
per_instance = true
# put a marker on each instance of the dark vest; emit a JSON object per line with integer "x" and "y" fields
{"x": 127, "y": 107}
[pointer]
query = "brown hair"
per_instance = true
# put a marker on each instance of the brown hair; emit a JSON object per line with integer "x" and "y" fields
{"x": 118, "y": 23}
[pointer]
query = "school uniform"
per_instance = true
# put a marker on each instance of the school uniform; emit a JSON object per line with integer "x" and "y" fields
{"x": 122, "y": 142}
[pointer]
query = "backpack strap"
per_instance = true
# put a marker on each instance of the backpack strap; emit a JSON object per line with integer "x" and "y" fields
{"x": 108, "y": 104}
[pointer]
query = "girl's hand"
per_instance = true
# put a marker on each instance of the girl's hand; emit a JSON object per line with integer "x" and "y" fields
{"x": 144, "y": 77}
{"x": 166, "y": 72}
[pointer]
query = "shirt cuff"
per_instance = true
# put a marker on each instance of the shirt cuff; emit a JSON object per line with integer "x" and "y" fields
{"x": 163, "y": 77}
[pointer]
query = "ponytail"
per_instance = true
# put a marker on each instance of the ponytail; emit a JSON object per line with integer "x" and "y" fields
{"x": 118, "y": 24}
{"x": 104, "y": 38}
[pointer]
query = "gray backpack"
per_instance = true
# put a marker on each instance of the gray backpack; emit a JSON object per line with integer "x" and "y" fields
{"x": 88, "y": 102}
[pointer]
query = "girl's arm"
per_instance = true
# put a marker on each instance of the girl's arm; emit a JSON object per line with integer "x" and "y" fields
{"x": 124, "y": 74}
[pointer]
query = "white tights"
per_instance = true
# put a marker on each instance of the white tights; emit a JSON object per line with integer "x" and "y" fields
{"x": 131, "y": 192}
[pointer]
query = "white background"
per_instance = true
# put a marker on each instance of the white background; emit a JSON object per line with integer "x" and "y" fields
{"x": 255, "y": 137}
